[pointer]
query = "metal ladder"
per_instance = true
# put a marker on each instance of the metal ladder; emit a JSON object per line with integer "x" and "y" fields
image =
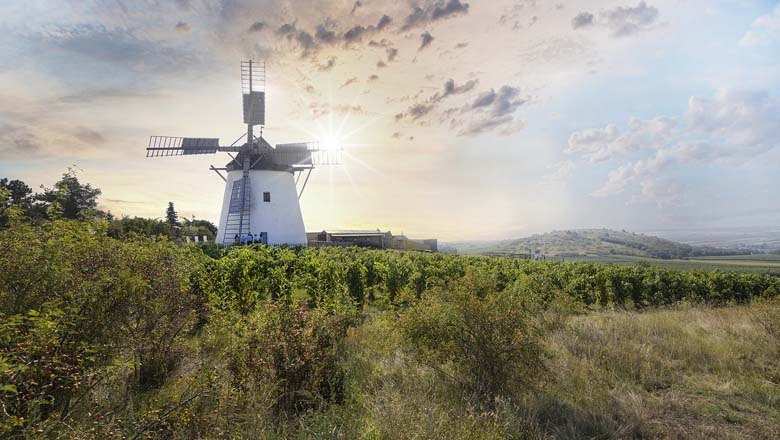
{"x": 238, "y": 211}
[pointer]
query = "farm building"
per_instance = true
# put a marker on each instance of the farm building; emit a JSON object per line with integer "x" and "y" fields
{"x": 370, "y": 238}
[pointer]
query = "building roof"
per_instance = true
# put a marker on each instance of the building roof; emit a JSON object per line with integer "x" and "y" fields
{"x": 347, "y": 232}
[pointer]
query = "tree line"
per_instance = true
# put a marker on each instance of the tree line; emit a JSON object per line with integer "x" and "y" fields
{"x": 71, "y": 199}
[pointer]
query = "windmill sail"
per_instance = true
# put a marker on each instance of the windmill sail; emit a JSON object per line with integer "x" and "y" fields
{"x": 291, "y": 155}
{"x": 180, "y": 146}
{"x": 253, "y": 92}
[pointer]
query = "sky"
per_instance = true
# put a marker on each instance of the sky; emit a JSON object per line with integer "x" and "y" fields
{"x": 459, "y": 119}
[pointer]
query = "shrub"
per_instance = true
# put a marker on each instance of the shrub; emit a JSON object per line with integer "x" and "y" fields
{"x": 74, "y": 301}
{"x": 296, "y": 350}
{"x": 481, "y": 340}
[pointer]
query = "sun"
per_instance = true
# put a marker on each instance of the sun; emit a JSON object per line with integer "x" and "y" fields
{"x": 331, "y": 142}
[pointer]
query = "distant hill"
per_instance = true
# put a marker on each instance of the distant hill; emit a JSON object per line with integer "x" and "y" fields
{"x": 598, "y": 242}
{"x": 757, "y": 239}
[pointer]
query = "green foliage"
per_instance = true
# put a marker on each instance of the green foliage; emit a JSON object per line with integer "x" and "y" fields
{"x": 356, "y": 281}
{"x": 296, "y": 349}
{"x": 247, "y": 276}
{"x": 171, "y": 216}
{"x": 41, "y": 367}
{"x": 70, "y": 199}
{"x": 105, "y": 332}
{"x": 481, "y": 339}
{"x": 75, "y": 301}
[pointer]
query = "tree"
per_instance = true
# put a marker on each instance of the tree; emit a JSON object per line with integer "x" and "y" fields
{"x": 198, "y": 228}
{"x": 69, "y": 198}
{"x": 171, "y": 216}
{"x": 19, "y": 193}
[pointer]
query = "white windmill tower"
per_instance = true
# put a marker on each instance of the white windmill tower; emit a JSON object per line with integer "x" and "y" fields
{"x": 261, "y": 187}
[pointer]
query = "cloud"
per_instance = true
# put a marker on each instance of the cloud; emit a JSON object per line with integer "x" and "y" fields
{"x": 257, "y": 26}
{"x": 491, "y": 110}
{"x": 324, "y": 35}
{"x": 664, "y": 191}
{"x": 287, "y": 29}
{"x": 450, "y": 88}
{"x": 114, "y": 95}
{"x": 426, "y": 39}
{"x": 319, "y": 109}
{"x": 731, "y": 127}
{"x": 305, "y": 40}
{"x": 581, "y": 20}
{"x": 384, "y": 21}
{"x": 484, "y": 125}
{"x": 452, "y": 7}
{"x": 624, "y": 21}
{"x": 182, "y": 27}
{"x": 484, "y": 99}
{"x": 642, "y": 171}
{"x": 504, "y": 102}
{"x": 381, "y": 43}
{"x": 600, "y": 144}
{"x": 28, "y": 135}
{"x": 419, "y": 110}
{"x": 621, "y": 21}
{"x": 507, "y": 101}
{"x": 354, "y": 34}
{"x": 328, "y": 65}
{"x": 764, "y": 30}
{"x": 745, "y": 123}
{"x": 97, "y": 42}
{"x": 391, "y": 54}
{"x": 88, "y": 135}
{"x": 438, "y": 10}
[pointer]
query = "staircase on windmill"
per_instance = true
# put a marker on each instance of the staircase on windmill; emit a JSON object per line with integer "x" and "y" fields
{"x": 261, "y": 199}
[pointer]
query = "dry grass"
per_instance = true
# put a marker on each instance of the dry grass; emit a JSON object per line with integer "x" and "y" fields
{"x": 687, "y": 373}
{"x": 681, "y": 373}
{"x": 675, "y": 373}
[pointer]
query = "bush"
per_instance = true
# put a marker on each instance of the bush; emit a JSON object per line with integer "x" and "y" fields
{"x": 481, "y": 340}
{"x": 296, "y": 350}
{"x": 74, "y": 301}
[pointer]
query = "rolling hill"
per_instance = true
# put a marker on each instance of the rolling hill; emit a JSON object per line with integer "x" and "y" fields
{"x": 598, "y": 243}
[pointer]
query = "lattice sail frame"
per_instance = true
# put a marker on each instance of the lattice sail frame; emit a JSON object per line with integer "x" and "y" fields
{"x": 306, "y": 154}
{"x": 253, "y": 92}
{"x": 180, "y": 146}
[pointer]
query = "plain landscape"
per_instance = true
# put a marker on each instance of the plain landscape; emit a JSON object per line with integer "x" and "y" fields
{"x": 116, "y": 328}
{"x": 757, "y": 252}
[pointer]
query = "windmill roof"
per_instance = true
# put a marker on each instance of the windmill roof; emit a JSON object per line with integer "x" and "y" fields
{"x": 257, "y": 161}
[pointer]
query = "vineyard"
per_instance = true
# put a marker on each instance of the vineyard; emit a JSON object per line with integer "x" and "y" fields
{"x": 142, "y": 338}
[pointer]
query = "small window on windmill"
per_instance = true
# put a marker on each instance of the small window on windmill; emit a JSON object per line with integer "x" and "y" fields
{"x": 266, "y": 196}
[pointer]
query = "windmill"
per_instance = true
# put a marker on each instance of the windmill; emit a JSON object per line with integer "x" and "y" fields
{"x": 261, "y": 196}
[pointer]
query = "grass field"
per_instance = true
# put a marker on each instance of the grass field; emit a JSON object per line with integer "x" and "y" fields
{"x": 761, "y": 263}
{"x": 694, "y": 373}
